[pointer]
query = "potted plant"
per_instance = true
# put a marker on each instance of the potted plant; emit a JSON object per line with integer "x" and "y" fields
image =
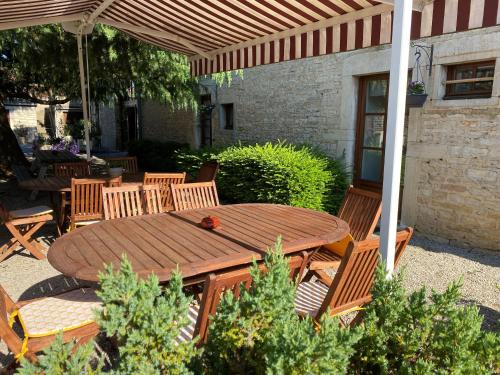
{"x": 416, "y": 96}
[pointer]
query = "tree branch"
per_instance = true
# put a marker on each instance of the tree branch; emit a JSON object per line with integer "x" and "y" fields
{"x": 33, "y": 99}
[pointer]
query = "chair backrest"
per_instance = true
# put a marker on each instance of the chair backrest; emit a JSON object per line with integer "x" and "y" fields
{"x": 232, "y": 281}
{"x": 207, "y": 172}
{"x": 164, "y": 180}
{"x": 361, "y": 209}
{"x": 86, "y": 199}
{"x": 128, "y": 163}
{"x": 402, "y": 239}
{"x": 353, "y": 281}
{"x": 76, "y": 169}
{"x": 7, "y": 334}
{"x": 21, "y": 172}
{"x": 194, "y": 195}
{"x": 131, "y": 200}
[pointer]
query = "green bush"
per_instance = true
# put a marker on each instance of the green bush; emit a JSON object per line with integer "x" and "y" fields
{"x": 260, "y": 333}
{"x": 410, "y": 334}
{"x": 154, "y": 156}
{"x": 145, "y": 322}
{"x": 273, "y": 173}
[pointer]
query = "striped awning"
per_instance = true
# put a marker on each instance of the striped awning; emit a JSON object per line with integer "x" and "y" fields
{"x": 220, "y": 35}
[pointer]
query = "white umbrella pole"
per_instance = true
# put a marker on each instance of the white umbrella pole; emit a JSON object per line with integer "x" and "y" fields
{"x": 395, "y": 129}
{"x": 84, "y": 94}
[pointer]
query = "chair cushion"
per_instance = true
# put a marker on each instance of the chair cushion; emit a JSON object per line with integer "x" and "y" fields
{"x": 30, "y": 212}
{"x": 89, "y": 222}
{"x": 339, "y": 247}
{"x": 188, "y": 331}
{"x": 309, "y": 297}
{"x": 61, "y": 312}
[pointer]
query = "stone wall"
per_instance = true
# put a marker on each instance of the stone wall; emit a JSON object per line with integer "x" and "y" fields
{"x": 161, "y": 123}
{"x": 23, "y": 116}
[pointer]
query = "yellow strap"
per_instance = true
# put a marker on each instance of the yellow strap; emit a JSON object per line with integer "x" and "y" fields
{"x": 24, "y": 349}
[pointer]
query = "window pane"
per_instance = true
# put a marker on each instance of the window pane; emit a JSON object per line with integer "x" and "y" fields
{"x": 484, "y": 86}
{"x": 485, "y": 71}
{"x": 371, "y": 165}
{"x": 376, "y": 92}
{"x": 464, "y": 72}
{"x": 374, "y": 131}
{"x": 462, "y": 88}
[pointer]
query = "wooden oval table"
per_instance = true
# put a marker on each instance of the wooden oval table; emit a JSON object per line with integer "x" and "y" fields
{"x": 158, "y": 243}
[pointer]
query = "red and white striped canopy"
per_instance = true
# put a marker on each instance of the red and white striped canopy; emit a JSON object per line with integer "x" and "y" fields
{"x": 220, "y": 35}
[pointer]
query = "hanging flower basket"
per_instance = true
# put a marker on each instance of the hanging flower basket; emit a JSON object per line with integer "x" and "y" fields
{"x": 415, "y": 100}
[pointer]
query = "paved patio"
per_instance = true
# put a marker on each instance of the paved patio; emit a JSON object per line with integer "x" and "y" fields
{"x": 425, "y": 262}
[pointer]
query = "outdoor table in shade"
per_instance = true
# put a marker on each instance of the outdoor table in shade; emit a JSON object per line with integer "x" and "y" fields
{"x": 158, "y": 243}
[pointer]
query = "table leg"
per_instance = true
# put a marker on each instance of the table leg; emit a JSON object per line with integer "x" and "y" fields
{"x": 62, "y": 211}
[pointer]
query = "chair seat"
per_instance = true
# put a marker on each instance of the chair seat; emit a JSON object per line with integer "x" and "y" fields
{"x": 309, "y": 297}
{"x": 30, "y": 212}
{"x": 65, "y": 311}
{"x": 188, "y": 331}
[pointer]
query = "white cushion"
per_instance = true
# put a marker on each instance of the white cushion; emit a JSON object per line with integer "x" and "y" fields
{"x": 62, "y": 312}
{"x": 188, "y": 331}
{"x": 29, "y": 212}
{"x": 309, "y": 297}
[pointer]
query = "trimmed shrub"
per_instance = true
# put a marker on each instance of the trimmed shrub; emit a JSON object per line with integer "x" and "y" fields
{"x": 154, "y": 156}
{"x": 273, "y": 173}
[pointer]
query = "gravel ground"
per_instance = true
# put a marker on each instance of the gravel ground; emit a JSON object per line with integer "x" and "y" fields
{"x": 426, "y": 263}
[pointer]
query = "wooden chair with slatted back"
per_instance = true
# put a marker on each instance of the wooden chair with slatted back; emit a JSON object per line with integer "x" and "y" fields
{"x": 128, "y": 163}
{"x": 131, "y": 200}
{"x": 43, "y": 318}
{"x": 361, "y": 209}
{"x": 216, "y": 285}
{"x": 351, "y": 287}
{"x": 76, "y": 169}
{"x": 22, "y": 225}
{"x": 165, "y": 180}
{"x": 194, "y": 195}
{"x": 86, "y": 201}
{"x": 401, "y": 245}
{"x": 208, "y": 172}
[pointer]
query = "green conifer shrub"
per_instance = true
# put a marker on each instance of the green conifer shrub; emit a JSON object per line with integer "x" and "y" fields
{"x": 411, "y": 334}
{"x": 260, "y": 333}
{"x": 145, "y": 321}
{"x": 63, "y": 359}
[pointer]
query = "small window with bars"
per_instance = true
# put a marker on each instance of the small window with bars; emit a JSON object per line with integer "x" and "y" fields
{"x": 471, "y": 80}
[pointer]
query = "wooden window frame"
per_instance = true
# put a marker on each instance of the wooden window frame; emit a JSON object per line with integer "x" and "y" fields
{"x": 472, "y": 94}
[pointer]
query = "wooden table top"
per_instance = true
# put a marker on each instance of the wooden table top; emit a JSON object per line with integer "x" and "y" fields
{"x": 157, "y": 243}
{"x": 50, "y": 157}
{"x": 63, "y": 184}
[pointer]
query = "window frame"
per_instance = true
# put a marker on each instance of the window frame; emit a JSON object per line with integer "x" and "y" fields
{"x": 472, "y": 94}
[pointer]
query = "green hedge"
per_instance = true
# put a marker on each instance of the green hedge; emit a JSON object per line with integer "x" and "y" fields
{"x": 273, "y": 173}
{"x": 154, "y": 156}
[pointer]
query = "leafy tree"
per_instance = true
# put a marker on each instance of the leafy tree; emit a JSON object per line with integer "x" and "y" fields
{"x": 260, "y": 333}
{"x": 40, "y": 64}
{"x": 145, "y": 322}
{"x": 409, "y": 334}
{"x": 63, "y": 359}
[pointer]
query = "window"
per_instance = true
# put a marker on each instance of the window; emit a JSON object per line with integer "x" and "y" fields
{"x": 466, "y": 81}
{"x": 227, "y": 116}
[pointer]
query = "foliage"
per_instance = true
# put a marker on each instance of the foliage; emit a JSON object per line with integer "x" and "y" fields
{"x": 63, "y": 359}
{"x": 225, "y": 77}
{"x": 408, "y": 334}
{"x": 62, "y": 145}
{"x": 261, "y": 333}
{"x": 154, "y": 156}
{"x": 273, "y": 173}
{"x": 145, "y": 321}
{"x": 416, "y": 88}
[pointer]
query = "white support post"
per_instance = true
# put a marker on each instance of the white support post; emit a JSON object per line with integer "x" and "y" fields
{"x": 84, "y": 94}
{"x": 395, "y": 129}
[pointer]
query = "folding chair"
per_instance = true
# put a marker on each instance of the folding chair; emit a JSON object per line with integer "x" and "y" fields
{"x": 165, "y": 180}
{"x": 76, "y": 169}
{"x": 128, "y": 201}
{"x": 22, "y": 225}
{"x": 128, "y": 163}
{"x": 194, "y": 195}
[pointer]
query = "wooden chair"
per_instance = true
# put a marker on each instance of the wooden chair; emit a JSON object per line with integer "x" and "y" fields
{"x": 207, "y": 172}
{"x": 194, "y": 195}
{"x": 128, "y": 201}
{"x": 43, "y": 318}
{"x": 165, "y": 180}
{"x": 351, "y": 287}
{"x": 21, "y": 172}
{"x": 77, "y": 169}
{"x": 22, "y": 225}
{"x": 361, "y": 209}
{"x": 216, "y": 285}
{"x": 86, "y": 201}
{"x": 128, "y": 163}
